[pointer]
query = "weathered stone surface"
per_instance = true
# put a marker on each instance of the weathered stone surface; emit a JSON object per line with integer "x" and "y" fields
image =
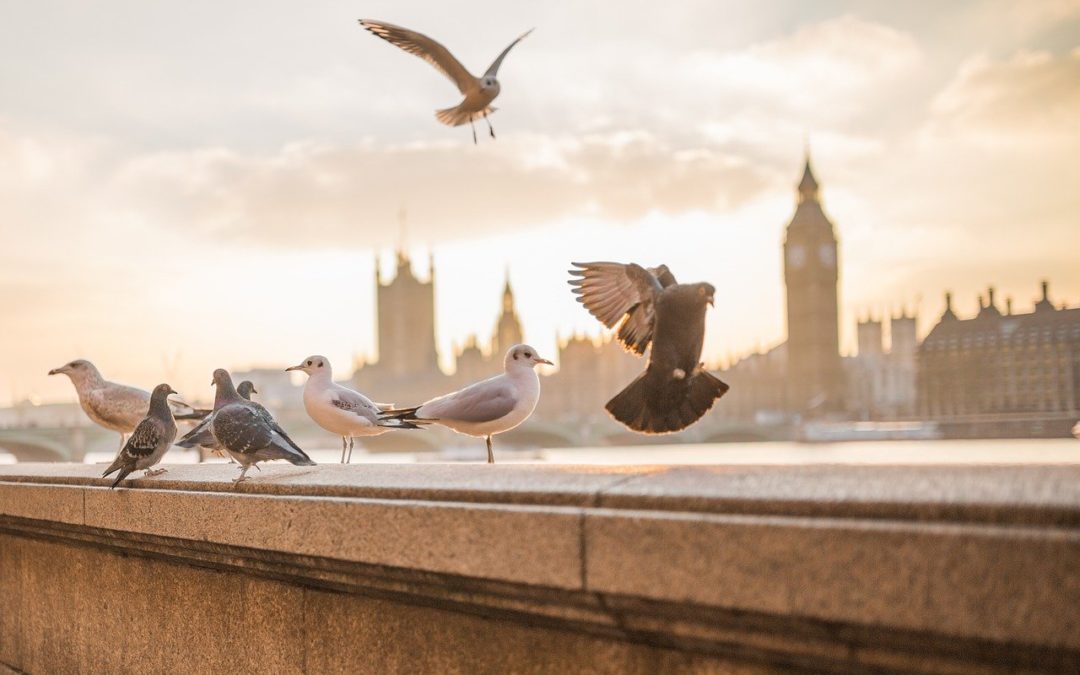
{"x": 58, "y": 503}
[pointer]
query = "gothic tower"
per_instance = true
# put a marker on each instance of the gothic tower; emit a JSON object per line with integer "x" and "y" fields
{"x": 406, "y": 320}
{"x": 508, "y": 330}
{"x": 815, "y": 374}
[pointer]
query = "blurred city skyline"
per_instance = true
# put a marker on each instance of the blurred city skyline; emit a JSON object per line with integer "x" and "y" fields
{"x": 188, "y": 186}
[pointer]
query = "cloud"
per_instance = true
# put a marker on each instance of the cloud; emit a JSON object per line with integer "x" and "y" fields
{"x": 1031, "y": 97}
{"x": 319, "y": 195}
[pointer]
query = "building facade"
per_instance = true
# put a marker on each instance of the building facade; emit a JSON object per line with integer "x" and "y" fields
{"x": 881, "y": 382}
{"x": 1002, "y": 363}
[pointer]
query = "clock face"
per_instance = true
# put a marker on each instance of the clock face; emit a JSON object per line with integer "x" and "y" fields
{"x": 796, "y": 256}
{"x": 827, "y": 255}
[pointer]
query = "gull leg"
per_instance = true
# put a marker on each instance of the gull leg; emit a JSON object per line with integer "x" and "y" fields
{"x": 473, "y": 125}
{"x": 491, "y": 129}
{"x": 343, "y": 446}
{"x": 123, "y": 440}
{"x": 153, "y": 472}
{"x": 352, "y": 441}
{"x": 491, "y": 455}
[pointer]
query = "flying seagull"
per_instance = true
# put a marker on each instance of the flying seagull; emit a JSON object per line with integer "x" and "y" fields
{"x": 479, "y": 92}
{"x": 116, "y": 407}
{"x": 488, "y": 407}
{"x": 201, "y": 435}
{"x": 648, "y": 305}
{"x": 153, "y": 436}
{"x": 341, "y": 410}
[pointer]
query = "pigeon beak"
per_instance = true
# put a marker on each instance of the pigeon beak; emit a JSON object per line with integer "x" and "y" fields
{"x": 711, "y": 302}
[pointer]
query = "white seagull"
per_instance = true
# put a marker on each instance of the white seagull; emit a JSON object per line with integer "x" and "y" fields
{"x": 116, "y": 407}
{"x": 341, "y": 410}
{"x": 488, "y": 407}
{"x": 479, "y": 92}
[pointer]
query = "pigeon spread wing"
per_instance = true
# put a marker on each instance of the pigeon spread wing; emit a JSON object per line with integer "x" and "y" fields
{"x": 427, "y": 49}
{"x": 493, "y": 69}
{"x": 622, "y": 295}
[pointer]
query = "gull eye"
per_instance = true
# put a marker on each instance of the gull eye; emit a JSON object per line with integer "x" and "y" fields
{"x": 309, "y": 363}
{"x": 528, "y": 355}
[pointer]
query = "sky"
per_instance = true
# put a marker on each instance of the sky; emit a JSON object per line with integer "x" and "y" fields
{"x": 188, "y": 185}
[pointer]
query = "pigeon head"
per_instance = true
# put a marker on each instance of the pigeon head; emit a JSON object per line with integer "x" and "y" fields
{"x": 313, "y": 365}
{"x": 705, "y": 292}
{"x": 159, "y": 399}
{"x": 523, "y": 356}
{"x": 162, "y": 391}
{"x": 246, "y": 389}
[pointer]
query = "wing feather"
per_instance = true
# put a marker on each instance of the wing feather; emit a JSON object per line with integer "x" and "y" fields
{"x": 426, "y": 48}
{"x": 620, "y": 295}
{"x": 493, "y": 69}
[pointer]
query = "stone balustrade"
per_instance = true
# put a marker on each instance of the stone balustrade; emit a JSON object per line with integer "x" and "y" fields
{"x": 539, "y": 568}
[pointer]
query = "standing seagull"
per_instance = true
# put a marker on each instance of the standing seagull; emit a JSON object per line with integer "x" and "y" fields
{"x": 648, "y": 305}
{"x": 479, "y": 92}
{"x": 152, "y": 437}
{"x": 488, "y": 407}
{"x": 117, "y": 407}
{"x": 341, "y": 410}
{"x": 247, "y": 431}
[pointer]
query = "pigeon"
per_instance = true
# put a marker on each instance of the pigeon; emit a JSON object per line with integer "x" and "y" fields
{"x": 152, "y": 437}
{"x": 116, "y": 407}
{"x": 247, "y": 431}
{"x": 485, "y": 408}
{"x": 649, "y": 306}
{"x": 201, "y": 435}
{"x": 479, "y": 92}
{"x": 341, "y": 410}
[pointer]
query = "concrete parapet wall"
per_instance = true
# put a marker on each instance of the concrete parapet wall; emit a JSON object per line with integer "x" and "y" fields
{"x": 538, "y": 568}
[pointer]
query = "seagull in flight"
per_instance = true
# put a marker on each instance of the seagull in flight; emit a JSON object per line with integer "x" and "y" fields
{"x": 479, "y": 92}
{"x": 649, "y": 306}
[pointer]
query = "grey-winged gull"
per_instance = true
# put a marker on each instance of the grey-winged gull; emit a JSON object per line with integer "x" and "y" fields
{"x": 648, "y": 305}
{"x": 247, "y": 431}
{"x": 117, "y": 407}
{"x": 151, "y": 439}
{"x": 486, "y": 408}
{"x": 341, "y": 410}
{"x": 479, "y": 92}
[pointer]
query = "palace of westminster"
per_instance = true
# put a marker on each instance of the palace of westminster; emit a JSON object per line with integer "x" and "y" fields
{"x": 996, "y": 363}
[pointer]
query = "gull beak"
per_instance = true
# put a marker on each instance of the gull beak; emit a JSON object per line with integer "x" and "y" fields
{"x": 293, "y": 368}
{"x": 55, "y": 371}
{"x": 544, "y": 361}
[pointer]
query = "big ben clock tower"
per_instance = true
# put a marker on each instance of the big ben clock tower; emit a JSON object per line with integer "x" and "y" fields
{"x": 815, "y": 375}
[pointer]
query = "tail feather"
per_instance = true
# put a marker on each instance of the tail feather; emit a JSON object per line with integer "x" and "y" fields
{"x": 195, "y": 414}
{"x": 292, "y": 453}
{"x": 455, "y": 116}
{"x": 651, "y": 408}
{"x": 404, "y": 416}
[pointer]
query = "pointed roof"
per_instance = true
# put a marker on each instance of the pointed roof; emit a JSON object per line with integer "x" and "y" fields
{"x": 808, "y": 186}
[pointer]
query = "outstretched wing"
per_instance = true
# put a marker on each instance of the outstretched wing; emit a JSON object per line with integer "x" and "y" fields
{"x": 622, "y": 295}
{"x": 427, "y": 49}
{"x": 493, "y": 69}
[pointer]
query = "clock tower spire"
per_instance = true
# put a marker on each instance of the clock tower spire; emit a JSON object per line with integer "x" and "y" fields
{"x": 811, "y": 274}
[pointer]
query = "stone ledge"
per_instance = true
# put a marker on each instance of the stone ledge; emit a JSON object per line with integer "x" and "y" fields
{"x": 825, "y": 567}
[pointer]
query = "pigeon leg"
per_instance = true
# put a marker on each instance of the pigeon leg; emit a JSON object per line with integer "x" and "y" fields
{"x": 343, "y": 446}
{"x": 352, "y": 442}
{"x": 491, "y": 455}
{"x": 153, "y": 472}
{"x": 491, "y": 129}
{"x": 241, "y": 477}
{"x": 473, "y": 125}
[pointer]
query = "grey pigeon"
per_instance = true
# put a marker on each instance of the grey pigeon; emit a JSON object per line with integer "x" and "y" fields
{"x": 201, "y": 435}
{"x": 153, "y": 436}
{"x": 479, "y": 92}
{"x": 247, "y": 431}
{"x": 649, "y": 306}
{"x": 485, "y": 408}
{"x": 117, "y": 407}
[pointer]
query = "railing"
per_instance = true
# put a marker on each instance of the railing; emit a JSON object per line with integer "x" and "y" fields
{"x": 537, "y": 568}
